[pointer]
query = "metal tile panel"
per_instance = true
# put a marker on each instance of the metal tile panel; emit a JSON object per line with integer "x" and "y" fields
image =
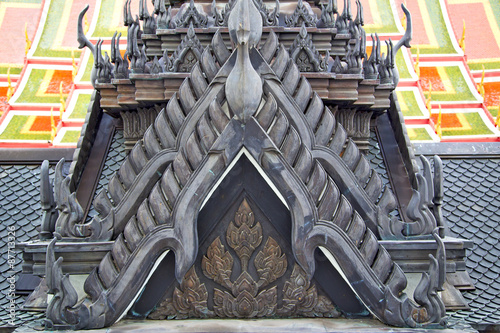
{"x": 114, "y": 160}
{"x": 472, "y": 209}
{"x": 19, "y": 207}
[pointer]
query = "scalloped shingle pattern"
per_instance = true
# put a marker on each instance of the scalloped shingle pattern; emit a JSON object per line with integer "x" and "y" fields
{"x": 471, "y": 207}
{"x": 20, "y": 207}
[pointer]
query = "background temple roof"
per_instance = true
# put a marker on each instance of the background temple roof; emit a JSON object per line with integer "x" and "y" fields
{"x": 436, "y": 56}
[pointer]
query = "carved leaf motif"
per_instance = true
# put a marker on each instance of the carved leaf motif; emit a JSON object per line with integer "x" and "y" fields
{"x": 165, "y": 310}
{"x": 218, "y": 264}
{"x": 299, "y": 299}
{"x": 222, "y": 303}
{"x": 191, "y": 299}
{"x": 267, "y": 301}
{"x": 245, "y": 305}
{"x": 244, "y": 238}
{"x": 245, "y": 284}
{"x": 270, "y": 263}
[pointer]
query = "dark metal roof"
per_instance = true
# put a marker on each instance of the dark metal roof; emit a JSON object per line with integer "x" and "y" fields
{"x": 114, "y": 160}
{"x": 20, "y": 207}
{"x": 471, "y": 207}
{"x": 376, "y": 160}
{"x": 472, "y": 201}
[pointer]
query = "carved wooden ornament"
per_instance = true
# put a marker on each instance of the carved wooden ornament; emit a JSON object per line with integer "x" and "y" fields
{"x": 245, "y": 297}
{"x": 253, "y": 100}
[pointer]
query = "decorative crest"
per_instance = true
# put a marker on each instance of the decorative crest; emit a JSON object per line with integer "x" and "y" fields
{"x": 69, "y": 223}
{"x": 164, "y": 15}
{"x": 424, "y": 208}
{"x": 191, "y": 15}
{"x": 59, "y": 311}
{"x": 305, "y": 55}
{"x": 128, "y": 19}
{"x": 386, "y": 64}
{"x": 270, "y": 17}
{"x": 103, "y": 65}
{"x": 302, "y": 15}
{"x": 187, "y": 53}
{"x": 49, "y": 213}
{"x": 343, "y": 21}
{"x": 403, "y": 41}
{"x": 355, "y": 55}
{"x": 370, "y": 65}
{"x": 136, "y": 55}
{"x": 149, "y": 25}
{"x": 84, "y": 41}
{"x": 356, "y": 26}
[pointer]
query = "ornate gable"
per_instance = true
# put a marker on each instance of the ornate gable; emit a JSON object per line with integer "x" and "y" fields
{"x": 245, "y": 264}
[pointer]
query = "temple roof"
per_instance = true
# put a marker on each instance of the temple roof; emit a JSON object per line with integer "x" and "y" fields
{"x": 466, "y": 217}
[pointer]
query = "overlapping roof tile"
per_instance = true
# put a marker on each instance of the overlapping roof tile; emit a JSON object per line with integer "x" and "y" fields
{"x": 114, "y": 159}
{"x": 20, "y": 197}
{"x": 472, "y": 212}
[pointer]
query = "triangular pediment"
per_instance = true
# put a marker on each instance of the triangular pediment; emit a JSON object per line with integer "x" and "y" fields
{"x": 336, "y": 202}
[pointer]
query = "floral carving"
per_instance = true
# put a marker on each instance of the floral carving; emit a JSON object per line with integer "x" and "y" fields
{"x": 191, "y": 15}
{"x": 245, "y": 297}
{"x": 270, "y": 263}
{"x": 270, "y": 17}
{"x": 300, "y": 299}
{"x": 244, "y": 301}
{"x": 187, "y": 53}
{"x": 188, "y": 301}
{"x": 301, "y": 15}
{"x": 218, "y": 264}
{"x": 244, "y": 237}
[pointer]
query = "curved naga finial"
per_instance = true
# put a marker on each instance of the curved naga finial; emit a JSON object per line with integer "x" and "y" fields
{"x": 403, "y": 41}
{"x": 424, "y": 209}
{"x": 84, "y": 41}
{"x": 69, "y": 223}
{"x": 65, "y": 296}
{"x": 244, "y": 86}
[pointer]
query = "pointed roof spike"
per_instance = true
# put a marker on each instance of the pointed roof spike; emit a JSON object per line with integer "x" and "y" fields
{"x": 332, "y": 5}
{"x": 156, "y": 5}
{"x": 113, "y": 47}
{"x": 129, "y": 12}
{"x": 377, "y": 54}
{"x": 359, "y": 16}
{"x": 146, "y": 10}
